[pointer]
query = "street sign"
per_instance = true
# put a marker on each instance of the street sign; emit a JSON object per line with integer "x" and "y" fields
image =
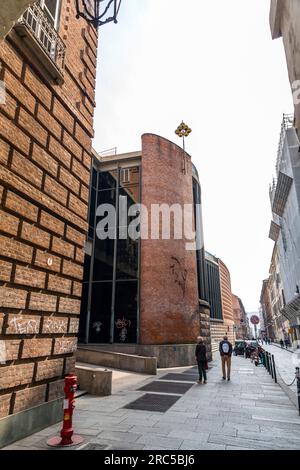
{"x": 254, "y": 320}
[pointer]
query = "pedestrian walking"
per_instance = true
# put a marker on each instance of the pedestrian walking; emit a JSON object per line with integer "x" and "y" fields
{"x": 225, "y": 349}
{"x": 281, "y": 343}
{"x": 286, "y": 342}
{"x": 200, "y": 354}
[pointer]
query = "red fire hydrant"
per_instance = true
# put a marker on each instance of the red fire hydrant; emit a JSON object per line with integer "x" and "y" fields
{"x": 67, "y": 436}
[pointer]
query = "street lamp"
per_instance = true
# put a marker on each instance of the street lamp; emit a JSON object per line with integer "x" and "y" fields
{"x": 183, "y": 131}
{"x": 98, "y": 12}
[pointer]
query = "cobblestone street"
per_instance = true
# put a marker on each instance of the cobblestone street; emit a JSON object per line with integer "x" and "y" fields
{"x": 249, "y": 412}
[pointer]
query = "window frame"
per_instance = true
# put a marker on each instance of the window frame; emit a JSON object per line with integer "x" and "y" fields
{"x": 56, "y": 20}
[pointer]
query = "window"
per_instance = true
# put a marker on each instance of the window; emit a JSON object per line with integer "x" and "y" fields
{"x": 52, "y": 11}
{"x": 125, "y": 175}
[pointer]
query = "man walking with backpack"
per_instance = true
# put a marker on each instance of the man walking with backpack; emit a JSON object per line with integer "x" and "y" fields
{"x": 225, "y": 349}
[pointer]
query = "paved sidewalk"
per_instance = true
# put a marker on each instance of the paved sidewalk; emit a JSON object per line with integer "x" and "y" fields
{"x": 249, "y": 412}
{"x": 286, "y": 363}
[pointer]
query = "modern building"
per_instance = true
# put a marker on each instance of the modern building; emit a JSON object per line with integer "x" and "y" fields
{"x": 285, "y": 226}
{"x": 240, "y": 318}
{"x": 145, "y": 295}
{"x": 220, "y": 300}
{"x": 48, "y": 66}
{"x": 284, "y": 22}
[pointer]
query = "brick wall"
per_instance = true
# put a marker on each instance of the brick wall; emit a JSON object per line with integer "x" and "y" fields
{"x": 169, "y": 291}
{"x": 45, "y": 154}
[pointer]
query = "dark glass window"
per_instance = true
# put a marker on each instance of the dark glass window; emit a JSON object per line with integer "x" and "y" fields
{"x": 107, "y": 180}
{"x": 94, "y": 178}
{"x": 100, "y": 312}
{"x": 86, "y": 269}
{"x": 103, "y": 260}
{"x": 214, "y": 290}
{"x": 200, "y": 254}
{"x": 126, "y": 312}
{"x": 115, "y": 261}
{"x": 127, "y": 259}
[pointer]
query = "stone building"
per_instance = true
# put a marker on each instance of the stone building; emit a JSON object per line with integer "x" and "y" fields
{"x": 284, "y": 22}
{"x": 220, "y": 300}
{"x": 285, "y": 228}
{"x": 266, "y": 310}
{"x": 240, "y": 318}
{"x": 48, "y": 66}
{"x": 146, "y": 295}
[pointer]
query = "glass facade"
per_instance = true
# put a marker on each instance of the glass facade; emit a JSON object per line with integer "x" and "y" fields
{"x": 200, "y": 253}
{"x": 110, "y": 298}
{"x": 110, "y": 302}
{"x": 214, "y": 289}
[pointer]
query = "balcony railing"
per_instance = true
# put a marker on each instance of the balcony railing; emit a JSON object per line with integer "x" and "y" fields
{"x": 44, "y": 33}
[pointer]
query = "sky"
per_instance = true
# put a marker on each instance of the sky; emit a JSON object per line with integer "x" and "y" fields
{"x": 214, "y": 65}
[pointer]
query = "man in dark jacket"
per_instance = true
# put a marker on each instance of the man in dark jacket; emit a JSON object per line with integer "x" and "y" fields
{"x": 225, "y": 349}
{"x": 200, "y": 354}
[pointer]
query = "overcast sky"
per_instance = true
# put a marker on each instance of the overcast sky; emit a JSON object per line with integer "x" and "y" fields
{"x": 214, "y": 65}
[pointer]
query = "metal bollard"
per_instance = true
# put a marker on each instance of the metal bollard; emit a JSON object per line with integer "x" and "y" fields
{"x": 271, "y": 366}
{"x": 67, "y": 437}
{"x": 298, "y": 386}
{"x": 274, "y": 369}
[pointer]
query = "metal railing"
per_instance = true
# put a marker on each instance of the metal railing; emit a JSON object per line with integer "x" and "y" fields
{"x": 44, "y": 32}
{"x": 269, "y": 363}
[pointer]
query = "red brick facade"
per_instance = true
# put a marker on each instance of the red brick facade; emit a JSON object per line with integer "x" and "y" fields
{"x": 45, "y": 154}
{"x": 169, "y": 293}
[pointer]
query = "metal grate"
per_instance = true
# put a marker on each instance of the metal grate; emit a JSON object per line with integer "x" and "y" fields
{"x": 180, "y": 377}
{"x": 153, "y": 402}
{"x": 94, "y": 446}
{"x": 167, "y": 387}
{"x": 190, "y": 372}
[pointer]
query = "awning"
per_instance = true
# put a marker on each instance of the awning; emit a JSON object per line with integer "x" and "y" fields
{"x": 291, "y": 311}
{"x": 283, "y": 187}
{"x": 274, "y": 231}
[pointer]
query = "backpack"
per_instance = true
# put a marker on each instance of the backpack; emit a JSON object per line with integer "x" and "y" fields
{"x": 225, "y": 348}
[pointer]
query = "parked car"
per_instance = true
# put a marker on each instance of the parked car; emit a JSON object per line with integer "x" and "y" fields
{"x": 239, "y": 347}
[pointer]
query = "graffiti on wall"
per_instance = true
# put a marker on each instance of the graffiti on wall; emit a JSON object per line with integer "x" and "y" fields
{"x": 122, "y": 326}
{"x": 179, "y": 273}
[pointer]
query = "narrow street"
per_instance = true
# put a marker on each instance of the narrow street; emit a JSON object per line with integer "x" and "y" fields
{"x": 249, "y": 412}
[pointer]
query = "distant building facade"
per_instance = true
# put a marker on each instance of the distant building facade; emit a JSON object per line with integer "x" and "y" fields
{"x": 220, "y": 299}
{"x": 240, "y": 318}
{"x": 284, "y": 283}
{"x": 284, "y": 22}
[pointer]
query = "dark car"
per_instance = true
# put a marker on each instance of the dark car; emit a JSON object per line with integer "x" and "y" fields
{"x": 239, "y": 347}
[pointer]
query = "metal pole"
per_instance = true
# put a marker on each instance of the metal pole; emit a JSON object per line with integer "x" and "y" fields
{"x": 298, "y": 386}
{"x": 274, "y": 368}
{"x": 271, "y": 365}
{"x": 113, "y": 302}
{"x": 88, "y": 317}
